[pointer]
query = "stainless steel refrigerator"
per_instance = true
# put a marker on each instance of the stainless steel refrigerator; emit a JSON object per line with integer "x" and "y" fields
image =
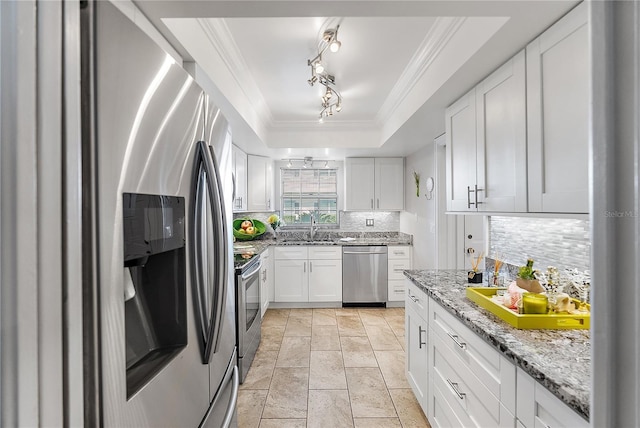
{"x": 159, "y": 300}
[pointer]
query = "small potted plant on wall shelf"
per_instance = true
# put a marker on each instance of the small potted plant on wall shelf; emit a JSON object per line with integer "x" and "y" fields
{"x": 527, "y": 280}
{"x": 475, "y": 277}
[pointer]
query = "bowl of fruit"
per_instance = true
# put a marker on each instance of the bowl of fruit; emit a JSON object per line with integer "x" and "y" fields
{"x": 246, "y": 229}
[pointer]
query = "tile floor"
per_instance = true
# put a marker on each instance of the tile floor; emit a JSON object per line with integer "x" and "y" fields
{"x": 329, "y": 368}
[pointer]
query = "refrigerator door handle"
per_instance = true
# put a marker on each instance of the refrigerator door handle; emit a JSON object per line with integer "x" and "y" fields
{"x": 234, "y": 399}
{"x": 222, "y": 250}
{"x": 208, "y": 309}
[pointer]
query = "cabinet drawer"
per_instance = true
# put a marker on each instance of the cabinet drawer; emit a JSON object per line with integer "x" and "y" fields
{"x": 291, "y": 253}
{"x": 403, "y": 252}
{"x": 416, "y": 299}
{"x": 396, "y": 267}
{"x": 325, "y": 253}
{"x": 442, "y": 415}
{"x": 466, "y": 394}
{"x": 485, "y": 362}
{"x": 396, "y": 290}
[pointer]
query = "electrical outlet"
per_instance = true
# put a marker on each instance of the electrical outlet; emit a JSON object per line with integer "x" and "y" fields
{"x": 369, "y": 222}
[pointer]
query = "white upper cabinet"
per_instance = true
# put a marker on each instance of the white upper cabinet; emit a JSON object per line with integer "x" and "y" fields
{"x": 502, "y": 139}
{"x": 558, "y": 116}
{"x": 461, "y": 152}
{"x": 260, "y": 183}
{"x": 389, "y": 184}
{"x": 374, "y": 184}
{"x": 359, "y": 181}
{"x": 239, "y": 160}
{"x": 486, "y": 144}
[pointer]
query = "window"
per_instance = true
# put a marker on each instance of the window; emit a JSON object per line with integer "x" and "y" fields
{"x": 309, "y": 191}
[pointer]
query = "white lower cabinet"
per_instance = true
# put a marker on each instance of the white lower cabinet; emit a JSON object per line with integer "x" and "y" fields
{"x": 308, "y": 274}
{"x": 476, "y": 382}
{"x": 416, "y": 336}
{"x": 462, "y": 381}
{"x": 538, "y": 408}
{"x": 266, "y": 280}
{"x": 399, "y": 259}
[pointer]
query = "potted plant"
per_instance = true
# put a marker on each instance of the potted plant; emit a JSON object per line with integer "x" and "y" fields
{"x": 527, "y": 278}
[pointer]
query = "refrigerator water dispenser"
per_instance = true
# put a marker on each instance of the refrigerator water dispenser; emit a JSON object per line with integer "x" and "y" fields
{"x": 154, "y": 284}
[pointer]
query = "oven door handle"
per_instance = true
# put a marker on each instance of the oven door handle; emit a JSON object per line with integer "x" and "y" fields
{"x": 252, "y": 272}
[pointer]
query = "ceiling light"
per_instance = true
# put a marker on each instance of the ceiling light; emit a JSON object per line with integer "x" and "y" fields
{"x": 331, "y": 97}
{"x": 335, "y": 46}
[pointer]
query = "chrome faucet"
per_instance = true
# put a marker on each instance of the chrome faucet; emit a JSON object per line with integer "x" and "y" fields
{"x": 312, "y": 229}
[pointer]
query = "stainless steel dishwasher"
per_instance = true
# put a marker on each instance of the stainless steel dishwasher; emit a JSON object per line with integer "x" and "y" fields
{"x": 364, "y": 276}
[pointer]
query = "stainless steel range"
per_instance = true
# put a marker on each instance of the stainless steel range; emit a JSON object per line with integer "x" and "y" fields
{"x": 248, "y": 313}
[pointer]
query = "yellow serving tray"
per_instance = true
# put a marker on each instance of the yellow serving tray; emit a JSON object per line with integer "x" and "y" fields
{"x": 482, "y": 297}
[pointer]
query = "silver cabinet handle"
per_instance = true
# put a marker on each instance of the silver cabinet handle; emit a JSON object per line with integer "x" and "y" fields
{"x": 420, "y": 342}
{"x": 304, "y": 267}
{"x": 378, "y": 202}
{"x": 476, "y": 194}
{"x": 469, "y": 203}
{"x": 455, "y": 338}
{"x": 454, "y": 386}
{"x": 371, "y": 203}
{"x": 310, "y": 267}
{"x": 414, "y": 298}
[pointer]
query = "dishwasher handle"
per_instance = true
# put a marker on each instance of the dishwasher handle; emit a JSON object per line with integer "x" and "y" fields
{"x": 364, "y": 253}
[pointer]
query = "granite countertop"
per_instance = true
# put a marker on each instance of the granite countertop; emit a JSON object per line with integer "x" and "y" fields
{"x": 558, "y": 359}
{"x": 292, "y": 238}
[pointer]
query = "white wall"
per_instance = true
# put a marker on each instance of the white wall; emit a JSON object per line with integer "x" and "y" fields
{"x": 419, "y": 216}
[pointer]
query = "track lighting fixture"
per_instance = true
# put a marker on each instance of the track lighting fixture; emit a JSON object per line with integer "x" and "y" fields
{"x": 331, "y": 100}
{"x": 306, "y": 162}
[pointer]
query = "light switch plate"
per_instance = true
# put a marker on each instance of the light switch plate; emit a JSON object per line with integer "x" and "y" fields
{"x": 369, "y": 222}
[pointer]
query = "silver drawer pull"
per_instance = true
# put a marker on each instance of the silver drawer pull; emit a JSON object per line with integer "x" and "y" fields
{"x": 455, "y": 338}
{"x": 420, "y": 342}
{"x": 398, "y": 270}
{"x": 414, "y": 298}
{"x": 454, "y": 386}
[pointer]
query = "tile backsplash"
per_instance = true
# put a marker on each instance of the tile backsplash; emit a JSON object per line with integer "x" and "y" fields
{"x": 350, "y": 221}
{"x": 563, "y": 243}
{"x": 383, "y": 221}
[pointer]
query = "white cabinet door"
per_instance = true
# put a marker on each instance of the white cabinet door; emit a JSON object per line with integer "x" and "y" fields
{"x": 359, "y": 183}
{"x": 558, "y": 116}
{"x": 325, "y": 280}
{"x": 416, "y": 354}
{"x": 461, "y": 153}
{"x": 389, "y": 184}
{"x": 501, "y": 134}
{"x": 239, "y": 160}
{"x": 292, "y": 281}
{"x": 260, "y": 175}
{"x": 265, "y": 280}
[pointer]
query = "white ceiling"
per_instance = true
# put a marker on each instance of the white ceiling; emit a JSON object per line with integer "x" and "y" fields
{"x": 374, "y": 53}
{"x": 401, "y": 63}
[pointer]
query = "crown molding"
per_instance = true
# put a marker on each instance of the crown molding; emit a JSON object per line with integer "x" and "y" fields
{"x": 328, "y": 124}
{"x": 223, "y": 42}
{"x": 434, "y": 42}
